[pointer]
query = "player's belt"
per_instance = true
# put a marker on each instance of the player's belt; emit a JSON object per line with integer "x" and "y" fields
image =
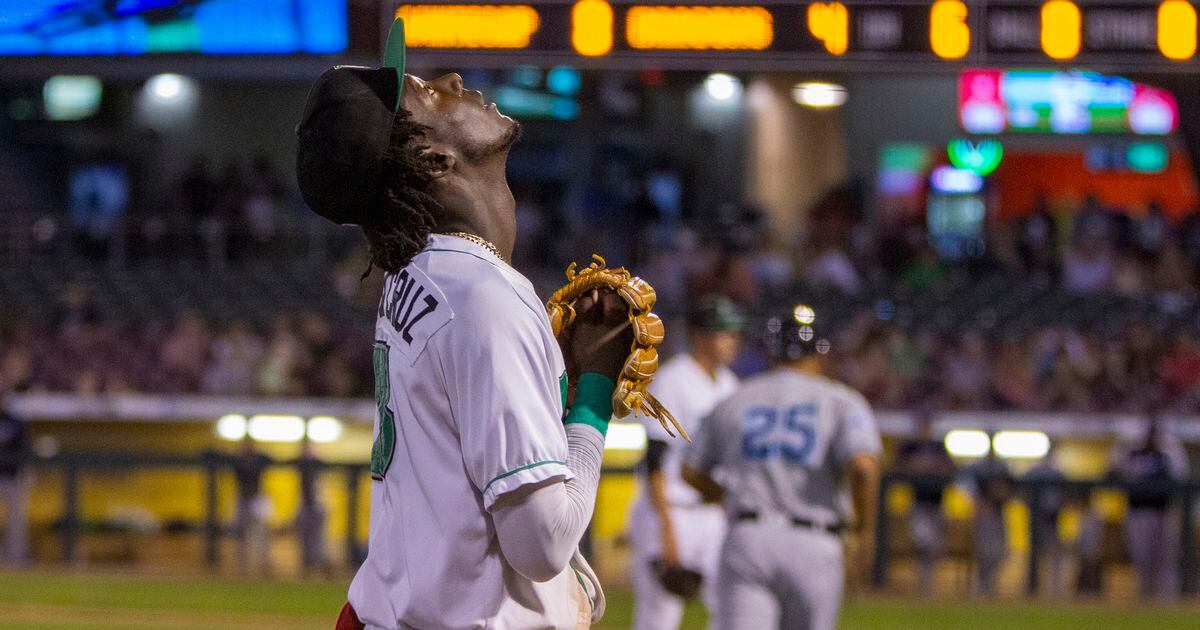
{"x": 835, "y": 528}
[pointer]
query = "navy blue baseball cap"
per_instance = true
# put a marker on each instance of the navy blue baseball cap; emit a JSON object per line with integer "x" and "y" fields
{"x": 344, "y": 134}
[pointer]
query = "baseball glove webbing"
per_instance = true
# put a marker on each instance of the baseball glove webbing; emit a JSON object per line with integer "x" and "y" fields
{"x": 631, "y": 394}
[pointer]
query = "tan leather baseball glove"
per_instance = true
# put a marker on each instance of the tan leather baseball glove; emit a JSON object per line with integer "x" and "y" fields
{"x": 631, "y": 394}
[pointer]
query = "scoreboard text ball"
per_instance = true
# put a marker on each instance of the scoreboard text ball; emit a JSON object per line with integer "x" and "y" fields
{"x": 1149, "y": 35}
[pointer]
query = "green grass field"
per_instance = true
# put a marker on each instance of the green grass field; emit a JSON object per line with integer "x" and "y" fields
{"x": 44, "y": 600}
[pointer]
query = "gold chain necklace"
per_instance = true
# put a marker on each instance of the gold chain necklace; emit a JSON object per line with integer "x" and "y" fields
{"x": 480, "y": 241}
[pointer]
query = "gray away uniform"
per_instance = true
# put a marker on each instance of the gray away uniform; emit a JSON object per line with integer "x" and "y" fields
{"x": 779, "y": 445}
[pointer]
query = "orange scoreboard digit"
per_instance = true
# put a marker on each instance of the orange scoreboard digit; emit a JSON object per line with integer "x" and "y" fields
{"x": 778, "y": 34}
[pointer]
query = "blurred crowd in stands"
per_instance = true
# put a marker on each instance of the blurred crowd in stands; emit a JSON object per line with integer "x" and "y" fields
{"x": 77, "y": 350}
{"x": 844, "y": 266}
{"x": 212, "y": 215}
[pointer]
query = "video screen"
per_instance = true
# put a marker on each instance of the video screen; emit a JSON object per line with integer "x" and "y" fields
{"x": 142, "y": 27}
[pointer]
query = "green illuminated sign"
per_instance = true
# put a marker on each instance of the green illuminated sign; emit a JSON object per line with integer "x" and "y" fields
{"x": 980, "y": 158}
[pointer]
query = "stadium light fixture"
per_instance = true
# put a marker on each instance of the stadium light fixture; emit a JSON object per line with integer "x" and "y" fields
{"x": 804, "y": 314}
{"x": 468, "y": 25}
{"x": 71, "y": 97}
{"x": 722, "y": 87}
{"x": 276, "y": 428}
{"x": 1021, "y": 444}
{"x": 232, "y": 427}
{"x": 699, "y": 28}
{"x": 168, "y": 100}
{"x": 819, "y": 95}
{"x": 592, "y": 27}
{"x": 626, "y": 436}
{"x": 167, "y": 87}
{"x": 324, "y": 429}
{"x": 967, "y": 443}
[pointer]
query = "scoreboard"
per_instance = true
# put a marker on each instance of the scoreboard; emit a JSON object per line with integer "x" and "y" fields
{"x": 1154, "y": 36}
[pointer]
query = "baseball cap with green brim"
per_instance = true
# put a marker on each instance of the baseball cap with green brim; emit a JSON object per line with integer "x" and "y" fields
{"x": 716, "y": 314}
{"x": 344, "y": 134}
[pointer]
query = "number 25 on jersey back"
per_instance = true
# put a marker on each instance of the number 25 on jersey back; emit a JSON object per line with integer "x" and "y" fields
{"x": 779, "y": 433}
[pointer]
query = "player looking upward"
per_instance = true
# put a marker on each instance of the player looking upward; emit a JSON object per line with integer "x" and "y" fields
{"x": 481, "y": 489}
{"x": 670, "y": 525}
{"x": 787, "y": 445}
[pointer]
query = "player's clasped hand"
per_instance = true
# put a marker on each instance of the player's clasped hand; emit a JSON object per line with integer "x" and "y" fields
{"x": 600, "y": 338}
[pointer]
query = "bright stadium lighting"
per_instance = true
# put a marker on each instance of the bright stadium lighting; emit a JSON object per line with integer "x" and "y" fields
{"x": 232, "y": 427}
{"x": 819, "y": 95}
{"x": 628, "y": 436}
{"x": 967, "y": 443}
{"x": 166, "y": 87}
{"x": 722, "y": 87}
{"x": 71, "y": 97}
{"x": 167, "y": 100}
{"x": 273, "y": 428}
{"x": 1021, "y": 444}
{"x": 804, "y": 314}
{"x": 324, "y": 429}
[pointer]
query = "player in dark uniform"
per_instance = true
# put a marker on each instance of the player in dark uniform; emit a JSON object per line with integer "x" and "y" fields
{"x": 925, "y": 459}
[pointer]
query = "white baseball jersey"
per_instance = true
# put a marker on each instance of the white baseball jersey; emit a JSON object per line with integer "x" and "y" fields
{"x": 690, "y": 394}
{"x": 469, "y": 385}
{"x": 781, "y": 443}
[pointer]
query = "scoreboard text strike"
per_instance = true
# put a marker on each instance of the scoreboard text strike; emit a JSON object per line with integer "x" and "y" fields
{"x": 1158, "y": 35}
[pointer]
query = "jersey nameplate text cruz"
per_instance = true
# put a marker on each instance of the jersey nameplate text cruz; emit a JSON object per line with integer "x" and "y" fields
{"x": 415, "y": 308}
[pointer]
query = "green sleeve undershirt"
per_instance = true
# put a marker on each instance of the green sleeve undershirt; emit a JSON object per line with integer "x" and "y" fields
{"x": 593, "y": 402}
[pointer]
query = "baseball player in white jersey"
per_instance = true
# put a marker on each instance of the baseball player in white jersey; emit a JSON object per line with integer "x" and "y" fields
{"x": 670, "y": 525}
{"x": 789, "y": 446}
{"x": 482, "y": 486}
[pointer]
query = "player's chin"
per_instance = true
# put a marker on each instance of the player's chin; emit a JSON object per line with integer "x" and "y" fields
{"x": 512, "y": 134}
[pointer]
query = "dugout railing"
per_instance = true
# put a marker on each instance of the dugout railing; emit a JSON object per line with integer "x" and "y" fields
{"x": 73, "y": 466}
{"x": 1031, "y": 492}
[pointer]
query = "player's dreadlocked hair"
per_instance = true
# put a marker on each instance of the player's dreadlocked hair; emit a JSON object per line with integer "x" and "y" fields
{"x": 400, "y": 230}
